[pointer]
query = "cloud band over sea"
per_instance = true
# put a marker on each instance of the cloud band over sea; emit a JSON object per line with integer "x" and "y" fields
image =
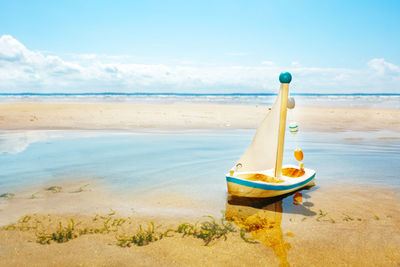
{"x": 24, "y": 70}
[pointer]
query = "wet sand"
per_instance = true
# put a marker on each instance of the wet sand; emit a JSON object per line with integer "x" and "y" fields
{"x": 185, "y": 116}
{"x": 339, "y": 225}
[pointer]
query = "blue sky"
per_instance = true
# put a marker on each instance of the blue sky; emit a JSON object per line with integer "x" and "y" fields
{"x": 199, "y": 46}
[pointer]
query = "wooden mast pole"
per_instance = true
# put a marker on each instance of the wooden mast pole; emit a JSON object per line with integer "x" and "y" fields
{"x": 285, "y": 79}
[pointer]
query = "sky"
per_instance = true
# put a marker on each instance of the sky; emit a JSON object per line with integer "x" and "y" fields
{"x": 199, "y": 46}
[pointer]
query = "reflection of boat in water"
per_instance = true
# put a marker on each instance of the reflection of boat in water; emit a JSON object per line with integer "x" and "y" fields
{"x": 259, "y": 172}
{"x": 264, "y": 224}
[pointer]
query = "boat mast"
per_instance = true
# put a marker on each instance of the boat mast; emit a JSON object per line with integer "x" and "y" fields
{"x": 285, "y": 79}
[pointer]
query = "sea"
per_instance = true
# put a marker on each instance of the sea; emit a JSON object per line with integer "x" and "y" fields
{"x": 302, "y": 99}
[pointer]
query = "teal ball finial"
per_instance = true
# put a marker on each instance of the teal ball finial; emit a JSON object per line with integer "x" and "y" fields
{"x": 285, "y": 77}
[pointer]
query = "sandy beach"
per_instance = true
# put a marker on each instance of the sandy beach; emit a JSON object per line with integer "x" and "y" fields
{"x": 340, "y": 224}
{"x": 22, "y": 116}
{"x": 343, "y": 225}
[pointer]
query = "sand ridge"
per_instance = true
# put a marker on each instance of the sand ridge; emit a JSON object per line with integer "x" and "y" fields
{"x": 19, "y": 116}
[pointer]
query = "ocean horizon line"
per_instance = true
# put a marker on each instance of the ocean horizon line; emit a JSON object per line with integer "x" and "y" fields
{"x": 191, "y": 94}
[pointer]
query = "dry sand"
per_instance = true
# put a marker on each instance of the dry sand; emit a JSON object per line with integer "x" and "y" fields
{"x": 185, "y": 116}
{"x": 344, "y": 225}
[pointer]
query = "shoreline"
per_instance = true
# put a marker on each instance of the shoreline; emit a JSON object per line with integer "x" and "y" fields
{"x": 90, "y": 196}
{"x": 114, "y": 116}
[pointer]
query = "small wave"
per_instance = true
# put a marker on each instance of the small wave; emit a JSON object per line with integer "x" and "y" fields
{"x": 369, "y": 100}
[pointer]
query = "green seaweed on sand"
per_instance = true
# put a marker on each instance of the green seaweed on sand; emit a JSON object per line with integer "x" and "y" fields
{"x": 80, "y": 189}
{"x": 25, "y": 219}
{"x": 7, "y": 195}
{"x": 105, "y": 228}
{"x": 21, "y": 225}
{"x": 186, "y": 229}
{"x": 141, "y": 238}
{"x": 118, "y": 222}
{"x": 49, "y": 229}
{"x": 33, "y": 196}
{"x": 103, "y": 225}
{"x": 111, "y": 213}
{"x": 61, "y": 235}
{"x": 60, "y": 230}
{"x": 209, "y": 230}
{"x": 99, "y": 217}
{"x": 96, "y": 217}
{"x": 347, "y": 217}
{"x": 54, "y": 189}
{"x": 322, "y": 215}
{"x": 250, "y": 240}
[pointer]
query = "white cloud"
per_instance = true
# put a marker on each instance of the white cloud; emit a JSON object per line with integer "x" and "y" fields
{"x": 383, "y": 68}
{"x": 267, "y": 63}
{"x": 23, "y": 70}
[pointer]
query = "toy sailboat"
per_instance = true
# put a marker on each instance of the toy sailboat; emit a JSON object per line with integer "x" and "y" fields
{"x": 259, "y": 172}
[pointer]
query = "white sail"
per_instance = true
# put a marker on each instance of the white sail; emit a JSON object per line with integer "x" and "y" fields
{"x": 262, "y": 152}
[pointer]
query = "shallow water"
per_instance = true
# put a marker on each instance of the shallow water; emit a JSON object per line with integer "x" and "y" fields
{"x": 194, "y": 161}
